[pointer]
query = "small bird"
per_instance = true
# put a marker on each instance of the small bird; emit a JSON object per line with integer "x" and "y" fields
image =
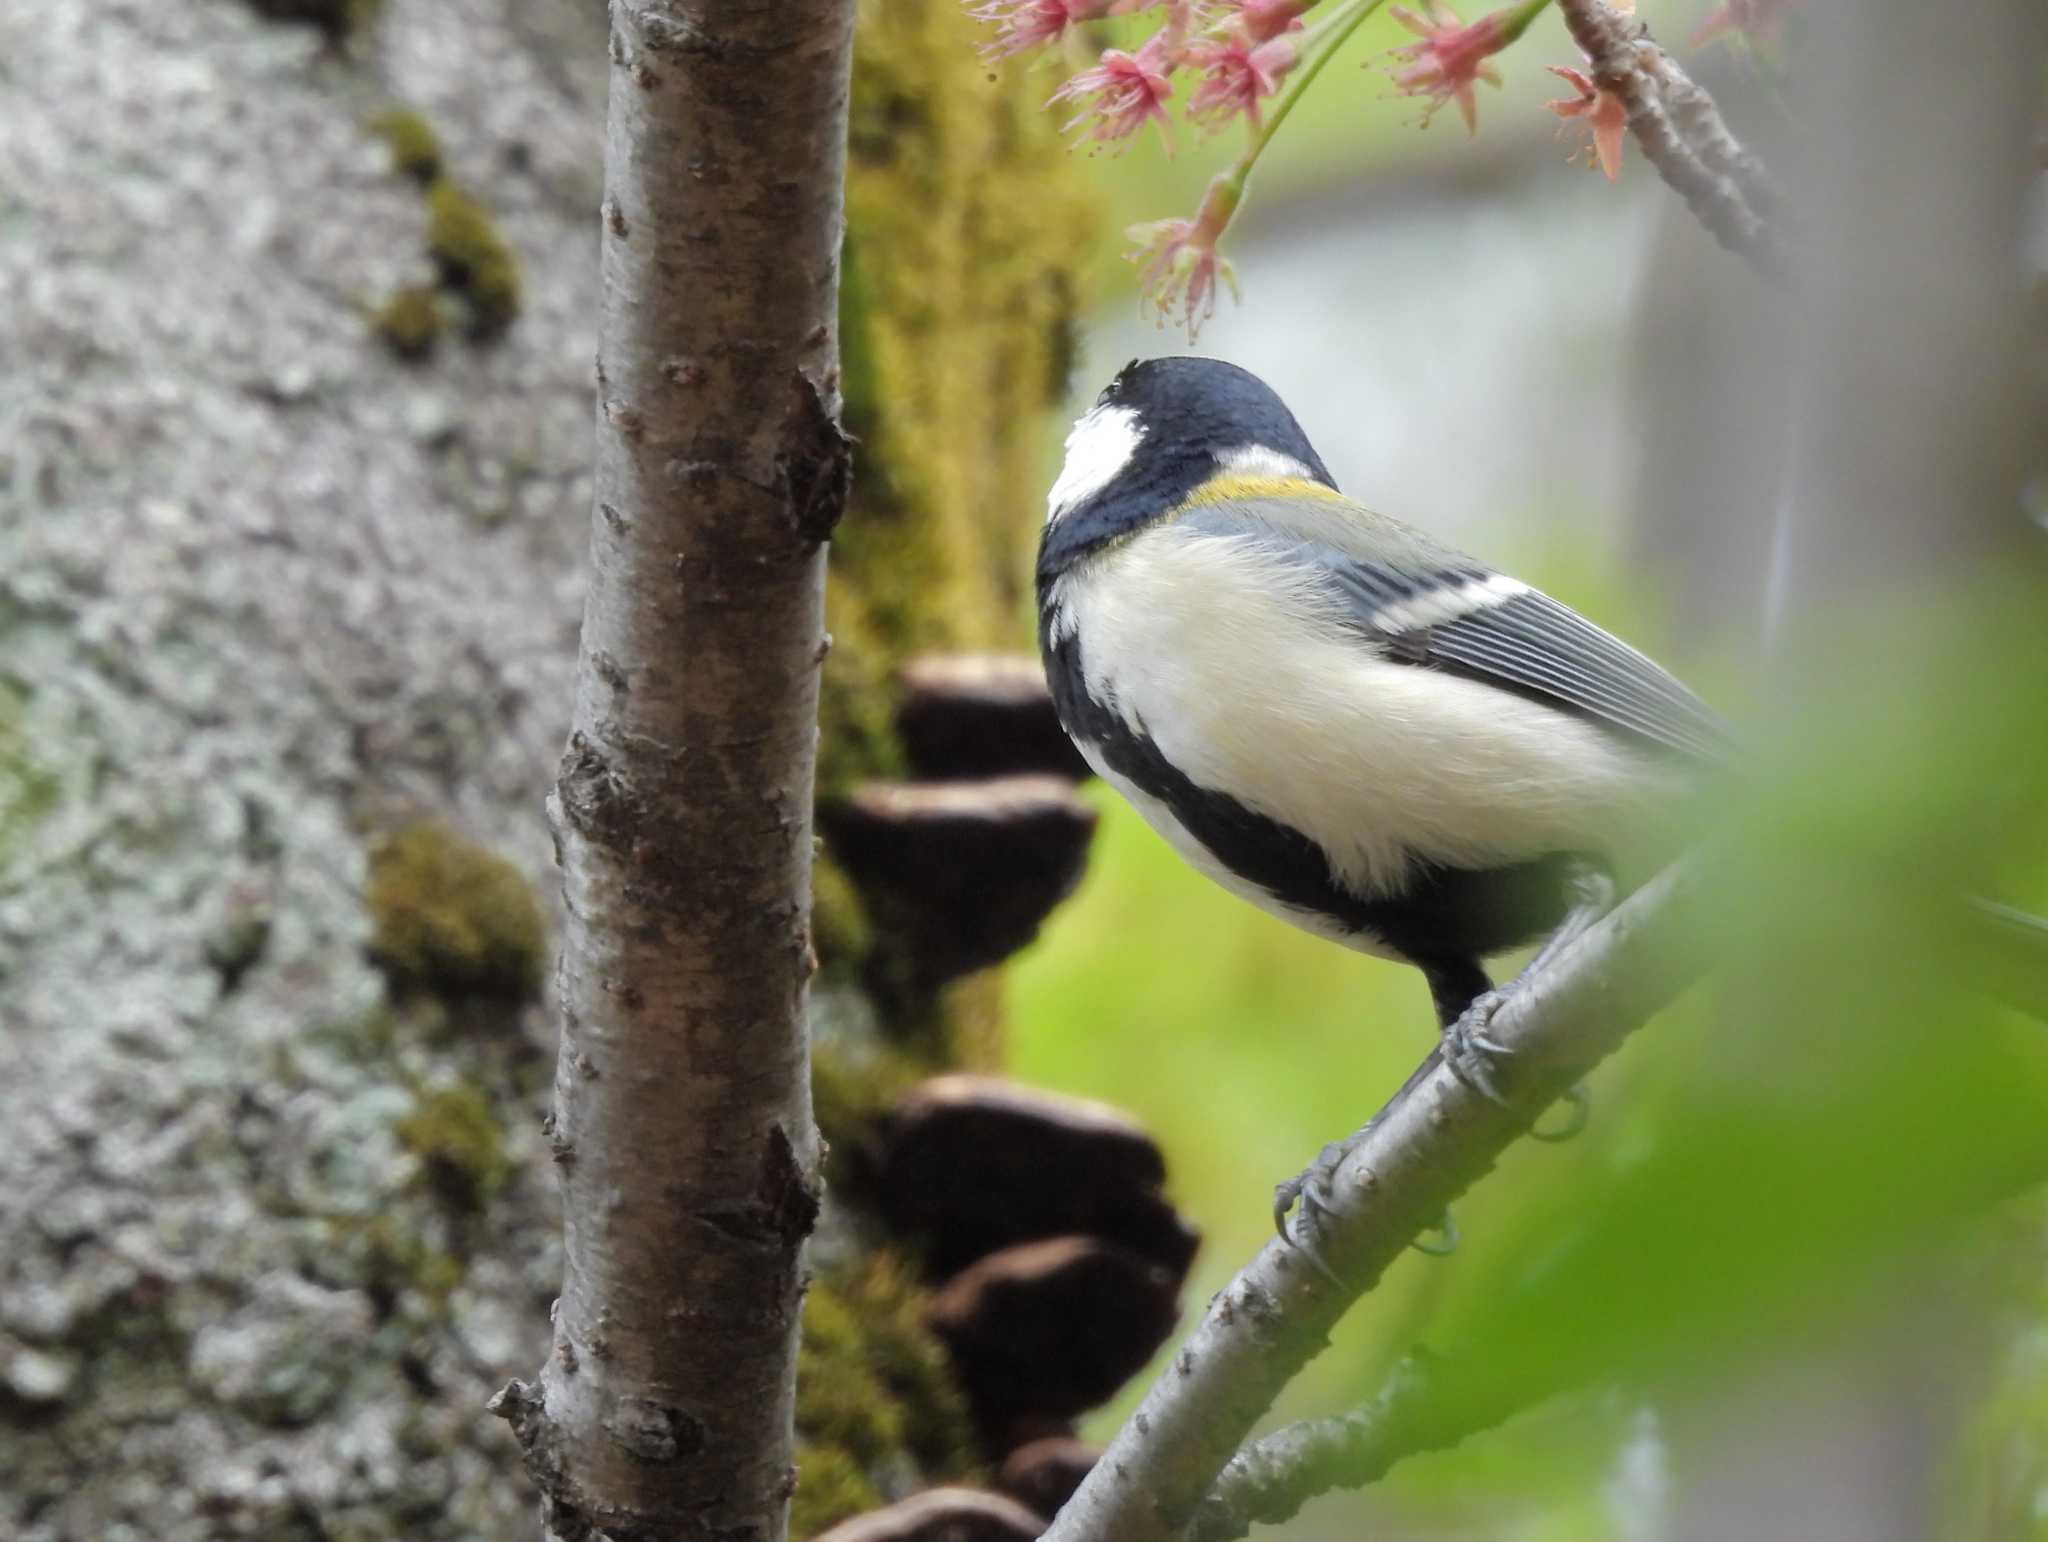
{"x": 1356, "y": 728}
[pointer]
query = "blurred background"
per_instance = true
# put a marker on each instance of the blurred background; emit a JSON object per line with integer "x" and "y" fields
{"x": 293, "y": 496}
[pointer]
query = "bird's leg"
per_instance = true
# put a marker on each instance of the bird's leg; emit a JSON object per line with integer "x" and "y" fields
{"x": 1473, "y": 1054}
{"x": 1465, "y": 1004}
{"x": 1592, "y": 897}
{"x": 1313, "y": 1186}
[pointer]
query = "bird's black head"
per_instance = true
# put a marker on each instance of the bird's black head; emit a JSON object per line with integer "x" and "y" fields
{"x": 1157, "y": 432}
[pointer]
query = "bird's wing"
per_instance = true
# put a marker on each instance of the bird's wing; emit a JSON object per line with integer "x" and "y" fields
{"x": 1427, "y": 605}
{"x": 1483, "y": 625}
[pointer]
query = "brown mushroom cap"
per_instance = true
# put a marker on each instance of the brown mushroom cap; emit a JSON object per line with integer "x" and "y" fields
{"x": 1041, "y": 1332}
{"x": 974, "y": 1164}
{"x": 1044, "y": 1474}
{"x": 965, "y": 870}
{"x": 981, "y": 715}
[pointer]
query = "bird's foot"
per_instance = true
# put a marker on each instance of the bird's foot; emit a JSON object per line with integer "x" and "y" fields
{"x": 1475, "y": 1057}
{"x": 1311, "y": 1188}
{"x": 1472, "y": 1054}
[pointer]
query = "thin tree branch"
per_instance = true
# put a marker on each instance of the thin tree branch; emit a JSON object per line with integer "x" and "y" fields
{"x": 1424, "y": 1149}
{"x": 1269, "y": 1481}
{"x": 1683, "y": 135}
{"x": 682, "y": 1118}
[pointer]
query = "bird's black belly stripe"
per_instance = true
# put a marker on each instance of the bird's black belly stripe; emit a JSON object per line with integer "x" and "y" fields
{"x": 1443, "y": 912}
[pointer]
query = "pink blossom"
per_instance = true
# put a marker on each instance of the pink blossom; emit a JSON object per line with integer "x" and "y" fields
{"x": 1236, "y": 75}
{"x": 1759, "y": 21}
{"x": 1450, "y": 57}
{"x": 1127, "y": 89}
{"x": 1028, "y": 24}
{"x": 1181, "y": 264}
{"x": 1598, "y": 110}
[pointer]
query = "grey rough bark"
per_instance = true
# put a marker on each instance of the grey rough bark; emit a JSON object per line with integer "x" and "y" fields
{"x": 682, "y": 1122}
{"x": 264, "y": 590}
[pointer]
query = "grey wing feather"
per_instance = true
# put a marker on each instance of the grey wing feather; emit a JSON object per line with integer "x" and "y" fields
{"x": 1391, "y": 579}
{"x": 1530, "y": 642}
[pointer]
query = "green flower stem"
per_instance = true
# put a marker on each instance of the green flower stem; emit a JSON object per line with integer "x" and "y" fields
{"x": 1336, "y": 28}
{"x": 1516, "y": 21}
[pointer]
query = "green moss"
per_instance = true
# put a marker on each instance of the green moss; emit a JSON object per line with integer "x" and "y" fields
{"x": 27, "y": 792}
{"x": 839, "y": 921}
{"x": 959, "y": 286}
{"x": 461, "y": 1146}
{"x": 473, "y": 257}
{"x": 830, "y": 1487}
{"x": 848, "y": 1099}
{"x": 415, "y": 148}
{"x": 872, "y": 1381}
{"x": 449, "y": 918}
{"x": 392, "y": 1259}
{"x": 410, "y": 322}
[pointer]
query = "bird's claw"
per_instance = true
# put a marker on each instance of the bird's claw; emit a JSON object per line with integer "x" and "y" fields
{"x": 1448, "y": 1230}
{"x": 1471, "y": 1053}
{"x": 1310, "y": 1188}
{"x": 1580, "y": 1102}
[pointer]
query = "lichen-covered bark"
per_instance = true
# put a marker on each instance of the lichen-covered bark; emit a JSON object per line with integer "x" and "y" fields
{"x": 682, "y": 1118}
{"x": 287, "y": 632}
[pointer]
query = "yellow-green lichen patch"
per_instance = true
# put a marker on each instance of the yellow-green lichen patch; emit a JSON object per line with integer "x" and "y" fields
{"x": 449, "y": 918}
{"x": 473, "y": 258}
{"x": 415, "y": 148}
{"x": 410, "y": 322}
{"x": 872, "y": 1381}
{"x": 460, "y": 1145}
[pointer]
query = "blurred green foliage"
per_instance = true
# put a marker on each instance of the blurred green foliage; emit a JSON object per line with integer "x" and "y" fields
{"x": 1827, "y": 1138}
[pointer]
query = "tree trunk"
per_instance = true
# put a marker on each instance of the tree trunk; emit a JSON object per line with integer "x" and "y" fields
{"x": 682, "y": 1123}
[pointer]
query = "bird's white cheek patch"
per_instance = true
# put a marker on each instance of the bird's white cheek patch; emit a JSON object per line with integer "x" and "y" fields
{"x": 1100, "y": 445}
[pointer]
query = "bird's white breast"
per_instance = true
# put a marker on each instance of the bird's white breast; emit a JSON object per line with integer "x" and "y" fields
{"x": 1243, "y": 670}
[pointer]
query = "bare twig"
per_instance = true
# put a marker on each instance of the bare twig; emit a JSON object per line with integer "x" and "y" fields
{"x": 1683, "y": 135}
{"x": 1270, "y": 1479}
{"x": 1417, "y": 1155}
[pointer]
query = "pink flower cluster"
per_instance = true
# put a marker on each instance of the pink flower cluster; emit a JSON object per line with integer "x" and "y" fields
{"x": 1450, "y": 58}
{"x": 1240, "y": 52}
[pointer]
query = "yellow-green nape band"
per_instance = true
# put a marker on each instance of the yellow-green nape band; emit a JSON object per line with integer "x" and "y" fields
{"x": 1228, "y": 486}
